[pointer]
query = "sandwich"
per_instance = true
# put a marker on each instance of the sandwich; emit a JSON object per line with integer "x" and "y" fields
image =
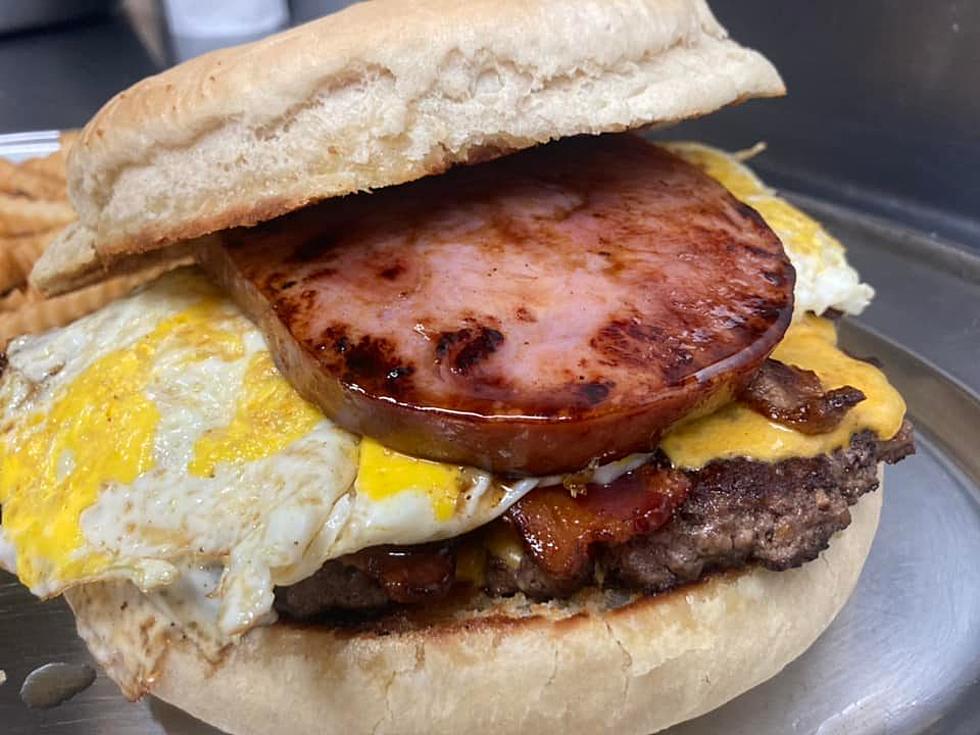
{"x": 463, "y": 405}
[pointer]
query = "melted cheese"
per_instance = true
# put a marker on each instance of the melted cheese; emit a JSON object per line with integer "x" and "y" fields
{"x": 471, "y": 563}
{"x": 737, "y": 431}
{"x": 383, "y": 473}
{"x": 503, "y": 542}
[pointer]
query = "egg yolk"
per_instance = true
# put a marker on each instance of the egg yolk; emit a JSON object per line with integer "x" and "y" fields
{"x": 738, "y": 431}
{"x": 720, "y": 166}
{"x": 100, "y": 430}
{"x": 799, "y": 232}
{"x": 269, "y": 417}
{"x": 383, "y": 474}
{"x": 804, "y": 233}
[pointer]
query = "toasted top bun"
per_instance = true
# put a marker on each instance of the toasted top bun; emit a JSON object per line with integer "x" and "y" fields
{"x": 381, "y": 93}
{"x": 510, "y": 667}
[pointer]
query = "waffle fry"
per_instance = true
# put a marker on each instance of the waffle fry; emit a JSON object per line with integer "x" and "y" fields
{"x": 21, "y": 216}
{"x": 21, "y": 181}
{"x": 33, "y": 210}
{"x": 13, "y": 300}
{"x": 33, "y": 206}
{"x": 17, "y": 298}
{"x": 18, "y": 255}
{"x": 37, "y": 316}
{"x": 52, "y": 166}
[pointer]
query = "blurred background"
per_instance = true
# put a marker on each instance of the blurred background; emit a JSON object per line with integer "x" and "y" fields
{"x": 883, "y": 112}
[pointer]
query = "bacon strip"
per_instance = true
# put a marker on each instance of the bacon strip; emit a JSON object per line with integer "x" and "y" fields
{"x": 408, "y": 573}
{"x": 794, "y": 397}
{"x": 559, "y": 530}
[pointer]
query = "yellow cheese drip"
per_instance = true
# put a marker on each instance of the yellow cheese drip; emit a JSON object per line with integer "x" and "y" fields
{"x": 270, "y": 416}
{"x": 737, "y": 431}
{"x": 100, "y": 429}
{"x": 471, "y": 562}
{"x": 503, "y": 542}
{"x": 383, "y": 474}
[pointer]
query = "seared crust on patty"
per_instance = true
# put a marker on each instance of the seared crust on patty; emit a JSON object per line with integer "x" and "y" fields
{"x": 738, "y": 513}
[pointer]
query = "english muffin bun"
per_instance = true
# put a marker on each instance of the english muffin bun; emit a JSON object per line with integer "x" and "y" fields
{"x": 594, "y": 664}
{"x": 381, "y": 93}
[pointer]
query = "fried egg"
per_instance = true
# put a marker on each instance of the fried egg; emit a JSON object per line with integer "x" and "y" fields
{"x": 824, "y": 280}
{"x": 156, "y": 441}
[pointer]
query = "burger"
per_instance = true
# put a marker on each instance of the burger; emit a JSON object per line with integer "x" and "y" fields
{"x": 463, "y": 406}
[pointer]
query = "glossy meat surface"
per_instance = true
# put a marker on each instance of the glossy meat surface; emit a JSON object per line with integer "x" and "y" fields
{"x": 525, "y": 315}
{"x": 794, "y": 397}
{"x": 559, "y": 530}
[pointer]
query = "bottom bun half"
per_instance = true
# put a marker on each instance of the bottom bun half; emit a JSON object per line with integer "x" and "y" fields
{"x": 504, "y": 667}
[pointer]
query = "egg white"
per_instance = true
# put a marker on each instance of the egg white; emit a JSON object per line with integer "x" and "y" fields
{"x": 253, "y": 523}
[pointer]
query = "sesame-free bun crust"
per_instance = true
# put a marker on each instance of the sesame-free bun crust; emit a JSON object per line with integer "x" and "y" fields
{"x": 512, "y": 667}
{"x": 378, "y": 94}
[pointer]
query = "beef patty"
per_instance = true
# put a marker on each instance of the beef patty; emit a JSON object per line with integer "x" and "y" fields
{"x": 737, "y": 512}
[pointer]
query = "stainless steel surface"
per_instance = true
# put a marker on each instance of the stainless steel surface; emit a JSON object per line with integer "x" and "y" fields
{"x": 55, "y": 683}
{"x": 903, "y": 656}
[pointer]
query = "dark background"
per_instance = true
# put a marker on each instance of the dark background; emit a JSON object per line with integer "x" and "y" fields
{"x": 883, "y": 111}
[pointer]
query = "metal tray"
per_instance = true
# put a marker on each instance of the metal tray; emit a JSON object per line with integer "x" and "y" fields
{"x": 902, "y": 657}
